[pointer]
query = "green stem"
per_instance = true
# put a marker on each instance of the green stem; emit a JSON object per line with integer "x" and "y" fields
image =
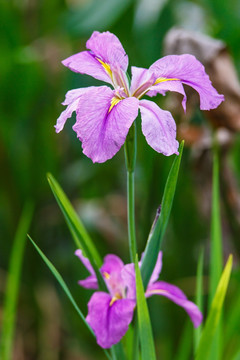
{"x": 130, "y": 148}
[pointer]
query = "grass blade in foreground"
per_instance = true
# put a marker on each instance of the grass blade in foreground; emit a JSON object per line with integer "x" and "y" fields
{"x": 199, "y": 297}
{"x": 213, "y": 319}
{"x": 216, "y": 247}
{"x": 144, "y": 323}
{"x": 10, "y": 303}
{"x": 78, "y": 231}
{"x": 64, "y": 287}
{"x": 155, "y": 238}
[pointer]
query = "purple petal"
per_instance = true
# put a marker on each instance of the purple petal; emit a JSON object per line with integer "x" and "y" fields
{"x": 112, "y": 263}
{"x": 159, "y": 128}
{"x": 111, "y": 271}
{"x": 142, "y": 79}
{"x": 102, "y": 128}
{"x": 157, "y": 269}
{"x": 109, "y": 320}
{"x": 86, "y": 63}
{"x": 165, "y": 86}
{"x": 71, "y": 99}
{"x": 190, "y": 71}
{"x": 178, "y": 297}
{"x": 128, "y": 276}
{"x": 108, "y": 48}
{"x": 91, "y": 281}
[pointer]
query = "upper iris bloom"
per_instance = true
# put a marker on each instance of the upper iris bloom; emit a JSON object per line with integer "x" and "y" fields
{"x": 109, "y": 314}
{"x": 104, "y": 115}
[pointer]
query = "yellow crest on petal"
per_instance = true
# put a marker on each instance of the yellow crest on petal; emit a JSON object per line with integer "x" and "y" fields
{"x": 114, "y": 102}
{"x": 106, "y": 67}
{"x": 162, "y": 79}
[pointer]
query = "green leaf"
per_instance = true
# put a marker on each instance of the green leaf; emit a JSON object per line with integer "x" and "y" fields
{"x": 213, "y": 319}
{"x": 64, "y": 287}
{"x": 14, "y": 272}
{"x": 77, "y": 229}
{"x": 144, "y": 323}
{"x": 159, "y": 226}
{"x": 185, "y": 343}
{"x": 215, "y": 247}
{"x": 199, "y": 297}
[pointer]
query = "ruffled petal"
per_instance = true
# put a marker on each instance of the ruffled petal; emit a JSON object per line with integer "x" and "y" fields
{"x": 103, "y": 122}
{"x": 108, "y": 48}
{"x": 91, "y": 281}
{"x": 187, "y": 69}
{"x": 86, "y": 63}
{"x": 159, "y": 128}
{"x": 71, "y": 99}
{"x": 165, "y": 86}
{"x": 178, "y": 297}
{"x": 109, "y": 319}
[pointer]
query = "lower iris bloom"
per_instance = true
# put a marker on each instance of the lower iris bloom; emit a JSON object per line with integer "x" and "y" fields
{"x": 104, "y": 115}
{"x": 109, "y": 314}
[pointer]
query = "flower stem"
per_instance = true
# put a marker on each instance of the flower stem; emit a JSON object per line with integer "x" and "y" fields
{"x": 130, "y": 148}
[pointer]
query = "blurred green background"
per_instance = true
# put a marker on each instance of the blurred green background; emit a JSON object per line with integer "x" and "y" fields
{"x": 35, "y": 37}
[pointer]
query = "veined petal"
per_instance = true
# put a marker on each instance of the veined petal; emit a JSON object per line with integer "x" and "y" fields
{"x": 87, "y": 63}
{"x": 142, "y": 79}
{"x": 91, "y": 281}
{"x": 187, "y": 69}
{"x": 101, "y": 131}
{"x": 159, "y": 128}
{"x": 109, "y": 319}
{"x": 71, "y": 99}
{"x": 178, "y": 297}
{"x": 108, "y": 48}
{"x": 169, "y": 85}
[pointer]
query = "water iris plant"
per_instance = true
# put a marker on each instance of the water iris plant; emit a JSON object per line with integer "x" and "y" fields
{"x": 105, "y": 115}
{"x": 105, "y": 120}
{"x": 109, "y": 314}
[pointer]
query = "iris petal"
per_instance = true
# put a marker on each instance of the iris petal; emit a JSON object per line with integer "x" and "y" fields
{"x": 109, "y": 320}
{"x": 189, "y": 71}
{"x": 159, "y": 128}
{"x": 102, "y": 132}
{"x": 178, "y": 297}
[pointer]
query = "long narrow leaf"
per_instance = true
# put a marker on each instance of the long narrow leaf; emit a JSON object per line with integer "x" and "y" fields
{"x": 144, "y": 323}
{"x": 78, "y": 231}
{"x": 199, "y": 297}
{"x": 213, "y": 319}
{"x": 64, "y": 287}
{"x": 10, "y": 303}
{"x": 216, "y": 247}
{"x": 159, "y": 227}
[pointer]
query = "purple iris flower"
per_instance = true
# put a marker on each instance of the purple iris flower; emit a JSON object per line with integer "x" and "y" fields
{"x": 104, "y": 115}
{"x": 109, "y": 314}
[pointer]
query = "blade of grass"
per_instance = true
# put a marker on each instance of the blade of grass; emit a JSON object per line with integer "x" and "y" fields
{"x": 155, "y": 237}
{"x": 77, "y": 229}
{"x": 144, "y": 323}
{"x": 216, "y": 246}
{"x": 64, "y": 287}
{"x": 185, "y": 343}
{"x": 213, "y": 319}
{"x": 199, "y": 297}
{"x": 13, "y": 280}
